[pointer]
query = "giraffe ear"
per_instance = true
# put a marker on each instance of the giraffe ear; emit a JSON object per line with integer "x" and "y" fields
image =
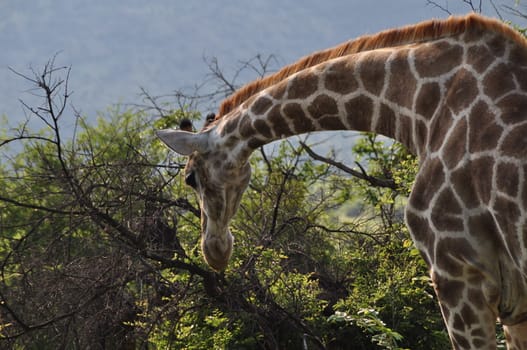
{"x": 183, "y": 142}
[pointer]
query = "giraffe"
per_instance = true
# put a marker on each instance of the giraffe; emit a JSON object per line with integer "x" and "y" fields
{"x": 454, "y": 92}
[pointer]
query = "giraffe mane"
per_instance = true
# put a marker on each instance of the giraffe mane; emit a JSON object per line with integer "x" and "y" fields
{"x": 424, "y": 31}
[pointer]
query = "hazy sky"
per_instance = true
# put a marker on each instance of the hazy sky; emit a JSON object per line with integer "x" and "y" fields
{"x": 115, "y": 47}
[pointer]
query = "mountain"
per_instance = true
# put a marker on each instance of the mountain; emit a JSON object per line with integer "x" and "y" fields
{"x": 115, "y": 47}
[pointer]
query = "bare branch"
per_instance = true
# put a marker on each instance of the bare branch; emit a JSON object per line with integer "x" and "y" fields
{"x": 514, "y": 11}
{"x": 474, "y": 7}
{"x": 374, "y": 181}
{"x": 443, "y": 8}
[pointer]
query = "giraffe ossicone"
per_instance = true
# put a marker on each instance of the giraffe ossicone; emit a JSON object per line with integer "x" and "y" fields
{"x": 454, "y": 92}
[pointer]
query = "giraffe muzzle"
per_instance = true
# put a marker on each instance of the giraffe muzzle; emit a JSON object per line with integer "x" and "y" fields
{"x": 216, "y": 243}
{"x": 217, "y": 250}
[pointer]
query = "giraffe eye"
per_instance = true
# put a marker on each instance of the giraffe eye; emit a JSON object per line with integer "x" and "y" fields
{"x": 190, "y": 180}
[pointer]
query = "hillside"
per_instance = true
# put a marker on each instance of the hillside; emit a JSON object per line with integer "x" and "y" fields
{"x": 114, "y": 49}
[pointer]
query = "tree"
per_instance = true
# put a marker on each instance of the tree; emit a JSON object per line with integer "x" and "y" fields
{"x": 100, "y": 245}
{"x": 500, "y": 9}
{"x": 99, "y": 242}
{"x": 87, "y": 227}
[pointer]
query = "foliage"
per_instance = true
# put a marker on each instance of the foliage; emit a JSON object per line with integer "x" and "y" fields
{"x": 368, "y": 319}
{"x": 99, "y": 244}
{"x": 99, "y": 239}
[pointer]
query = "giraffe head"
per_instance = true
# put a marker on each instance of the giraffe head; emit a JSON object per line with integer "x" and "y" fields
{"x": 219, "y": 183}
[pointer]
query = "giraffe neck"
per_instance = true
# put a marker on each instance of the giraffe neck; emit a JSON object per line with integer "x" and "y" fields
{"x": 409, "y": 93}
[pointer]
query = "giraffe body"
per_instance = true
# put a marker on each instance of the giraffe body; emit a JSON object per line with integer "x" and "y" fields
{"x": 457, "y": 98}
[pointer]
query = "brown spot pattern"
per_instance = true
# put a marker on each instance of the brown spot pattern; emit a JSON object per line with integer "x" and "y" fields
{"x": 458, "y": 323}
{"x": 436, "y": 59}
{"x": 262, "y": 128}
{"x": 303, "y": 85}
{"x": 444, "y": 205}
{"x": 438, "y": 128}
{"x": 460, "y": 341}
{"x": 479, "y": 57}
{"x": 515, "y": 142}
{"x": 446, "y": 215}
{"x": 524, "y": 191}
{"x": 455, "y": 148}
{"x": 428, "y": 99}
{"x": 421, "y": 134}
{"x": 322, "y": 105}
{"x": 521, "y": 77}
{"x": 428, "y": 182}
{"x": 340, "y": 78}
{"x": 483, "y": 228}
{"x": 230, "y": 126}
{"x": 386, "y": 122}
{"x": 232, "y": 141}
{"x": 518, "y": 55}
{"x": 261, "y": 105}
{"x": 449, "y": 292}
{"x": 462, "y": 90}
{"x": 245, "y": 127}
{"x": 421, "y": 232}
{"x": 255, "y": 142}
{"x": 403, "y": 83}
{"x": 248, "y": 102}
{"x": 372, "y": 72}
{"x": 507, "y": 216}
{"x": 295, "y": 113}
{"x": 484, "y": 133}
{"x": 513, "y": 108}
{"x": 473, "y": 182}
{"x": 278, "y": 123}
{"x": 359, "y": 111}
{"x": 332, "y": 123}
{"x": 451, "y": 253}
{"x": 278, "y": 91}
{"x": 507, "y": 178}
{"x": 405, "y": 134}
{"x": 473, "y": 34}
{"x": 497, "y": 46}
{"x": 498, "y": 81}
{"x": 476, "y": 298}
{"x": 478, "y": 343}
{"x": 469, "y": 317}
